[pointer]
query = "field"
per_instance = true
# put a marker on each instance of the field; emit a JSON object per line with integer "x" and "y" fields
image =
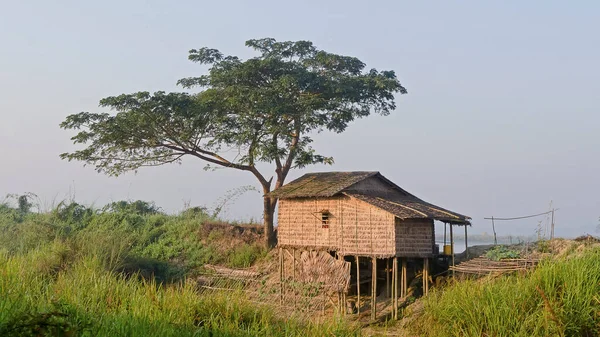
{"x": 561, "y": 297}
{"x": 128, "y": 269}
{"x": 125, "y": 270}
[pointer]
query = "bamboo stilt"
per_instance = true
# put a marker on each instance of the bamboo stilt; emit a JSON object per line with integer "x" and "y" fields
{"x": 374, "y": 290}
{"x": 452, "y": 247}
{"x": 425, "y": 276}
{"x": 403, "y": 287}
{"x": 466, "y": 243}
{"x": 357, "y": 285}
{"x": 445, "y": 233}
{"x": 395, "y": 287}
{"x": 387, "y": 278}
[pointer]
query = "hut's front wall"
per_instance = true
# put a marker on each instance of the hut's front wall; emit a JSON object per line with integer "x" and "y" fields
{"x": 300, "y": 225}
{"x": 415, "y": 237}
{"x": 355, "y": 227}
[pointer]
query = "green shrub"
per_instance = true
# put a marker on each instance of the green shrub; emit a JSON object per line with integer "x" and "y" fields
{"x": 498, "y": 253}
{"x": 245, "y": 255}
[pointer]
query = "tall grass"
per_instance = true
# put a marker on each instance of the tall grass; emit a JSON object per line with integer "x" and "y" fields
{"x": 124, "y": 270}
{"x": 50, "y": 291}
{"x": 133, "y": 236}
{"x": 560, "y": 298}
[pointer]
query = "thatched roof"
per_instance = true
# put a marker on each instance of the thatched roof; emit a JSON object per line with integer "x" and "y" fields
{"x": 412, "y": 208}
{"x": 400, "y": 203}
{"x": 321, "y": 184}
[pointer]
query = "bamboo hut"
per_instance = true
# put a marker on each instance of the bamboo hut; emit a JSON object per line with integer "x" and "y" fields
{"x": 361, "y": 218}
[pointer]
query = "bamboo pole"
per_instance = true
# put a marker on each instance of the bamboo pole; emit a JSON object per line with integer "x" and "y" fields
{"x": 395, "y": 287}
{"x": 494, "y": 229}
{"x": 552, "y": 226}
{"x": 387, "y": 278}
{"x": 404, "y": 288}
{"x": 357, "y": 285}
{"x": 425, "y": 276}
{"x": 341, "y": 297}
{"x": 452, "y": 247}
{"x": 466, "y": 243}
{"x": 374, "y": 289}
{"x": 445, "y": 233}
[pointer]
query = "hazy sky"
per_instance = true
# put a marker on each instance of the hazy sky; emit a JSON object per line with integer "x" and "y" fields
{"x": 501, "y": 116}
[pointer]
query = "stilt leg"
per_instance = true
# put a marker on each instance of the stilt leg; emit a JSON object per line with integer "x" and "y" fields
{"x": 357, "y": 285}
{"x": 425, "y": 276}
{"x": 395, "y": 287}
{"x": 403, "y": 287}
{"x": 387, "y": 278}
{"x": 452, "y": 248}
{"x": 374, "y": 290}
{"x": 466, "y": 243}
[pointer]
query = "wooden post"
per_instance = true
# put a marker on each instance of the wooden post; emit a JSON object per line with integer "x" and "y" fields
{"x": 452, "y": 247}
{"x": 403, "y": 287}
{"x": 374, "y": 290}
{"x": 425, "y": 276}
{"x": 395, "y": 287}
{"x": 387, "y": 278}
{"x": 466, "y": 242}
{"x": 494, "y": 229}
{"x": 445, "y": 233}
{"x": 341, "y": 295}
{"x": 552, "y": 226}
{"x": 357, "y": 285}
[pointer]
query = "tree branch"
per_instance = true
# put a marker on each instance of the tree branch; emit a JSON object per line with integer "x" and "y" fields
{"x": 292, "y": 151}
{"x": 200, "y": 154}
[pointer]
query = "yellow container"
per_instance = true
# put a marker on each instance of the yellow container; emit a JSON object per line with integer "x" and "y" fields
{"x": 447, "y": 250}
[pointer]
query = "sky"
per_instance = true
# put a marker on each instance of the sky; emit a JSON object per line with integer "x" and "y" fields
{"x": 500, "y": 119}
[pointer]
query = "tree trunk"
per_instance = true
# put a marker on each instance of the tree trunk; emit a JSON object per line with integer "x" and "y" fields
{"x": 268, "y": 216}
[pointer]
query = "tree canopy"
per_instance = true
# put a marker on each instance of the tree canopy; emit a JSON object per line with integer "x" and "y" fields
{"x": 266, "y": 108}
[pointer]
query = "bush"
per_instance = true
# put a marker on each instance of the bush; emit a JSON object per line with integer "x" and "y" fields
{"x": 498, "y": 253}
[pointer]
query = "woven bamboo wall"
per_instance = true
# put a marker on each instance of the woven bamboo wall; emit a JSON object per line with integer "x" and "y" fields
{"x": 299, "y": 223}
{"x": 366, "y": 230}
{"x": 355, "y": 227}
{"x": 415, "y": 237}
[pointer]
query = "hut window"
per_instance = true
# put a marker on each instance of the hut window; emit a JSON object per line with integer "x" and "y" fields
{"x": 325, "y": 215}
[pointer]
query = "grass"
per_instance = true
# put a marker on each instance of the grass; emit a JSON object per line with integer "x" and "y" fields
{"x": 559, "y": 298}
{"x": 52, "y": 290}
{"x": 125, "y": 270}
{"x": 135, "y": 236}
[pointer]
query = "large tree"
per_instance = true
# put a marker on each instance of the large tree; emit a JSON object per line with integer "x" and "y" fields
{"x": 265, "y": 109}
